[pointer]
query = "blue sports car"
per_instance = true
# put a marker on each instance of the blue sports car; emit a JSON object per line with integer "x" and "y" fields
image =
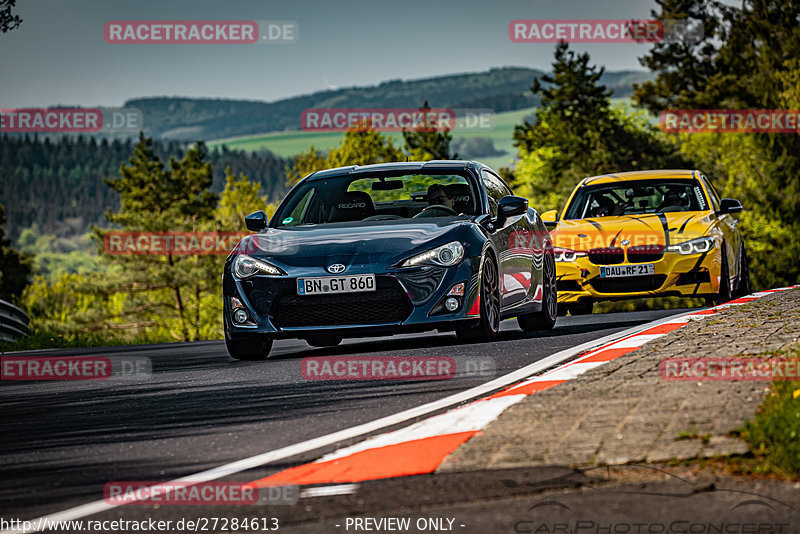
{"x": 396, "y": 247}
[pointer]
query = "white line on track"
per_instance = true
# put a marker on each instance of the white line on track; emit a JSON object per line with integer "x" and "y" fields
{"x": 303, "y": 447}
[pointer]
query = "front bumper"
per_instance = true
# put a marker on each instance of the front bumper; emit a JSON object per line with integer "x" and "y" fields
{"x": 407, "y": 299}
{"x": 675, "y": 275}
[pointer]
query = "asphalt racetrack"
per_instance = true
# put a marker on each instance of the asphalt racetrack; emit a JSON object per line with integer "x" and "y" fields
{"x": 62, "y": 441}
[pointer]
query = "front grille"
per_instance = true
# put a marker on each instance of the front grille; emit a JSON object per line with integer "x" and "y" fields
{"x": 387, "y": 304}
{"x": 568, "y": 285}
{"x": 606, "y": 256}
{"x": 629, "y": 284}
{"x": 645, "y": 253}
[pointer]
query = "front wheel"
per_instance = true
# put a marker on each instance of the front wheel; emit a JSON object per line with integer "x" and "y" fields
{"x": 489, "y": 324}
{"x": 546, "y": 318}
{"x": 255, "y": 348}
{"x": 724, "y": 294}
{"x": 743, "y": 283}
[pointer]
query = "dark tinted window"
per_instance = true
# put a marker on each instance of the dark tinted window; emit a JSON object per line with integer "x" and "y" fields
{"x": 495, "y": 190}
{"x": 378, "y": 198}
{"x": 630, "y": 198}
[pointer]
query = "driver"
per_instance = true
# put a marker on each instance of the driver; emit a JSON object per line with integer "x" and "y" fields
{"x": 437, "y": 196}
{"x": 605, "y": 207}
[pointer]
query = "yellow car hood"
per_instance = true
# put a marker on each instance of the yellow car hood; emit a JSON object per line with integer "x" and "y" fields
{"x": 631, "y": 230}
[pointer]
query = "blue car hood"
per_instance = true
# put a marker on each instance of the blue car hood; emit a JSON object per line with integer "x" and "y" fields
{"x": 350, "y": 244}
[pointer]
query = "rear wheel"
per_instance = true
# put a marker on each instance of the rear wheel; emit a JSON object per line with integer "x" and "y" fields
{"x": 324, "y": 340}
{"x": 546, "y": 318}
{"x": 252, "y": 348}
{"x": 743, "y": 283}
{"x": 489, "y": 307}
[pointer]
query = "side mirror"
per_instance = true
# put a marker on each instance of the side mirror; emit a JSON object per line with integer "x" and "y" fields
{"x": 510, "y": 206}
{"x": 550, "y": 219}
{"x": 730, "y": 205}
{"x": 256, "y": 222}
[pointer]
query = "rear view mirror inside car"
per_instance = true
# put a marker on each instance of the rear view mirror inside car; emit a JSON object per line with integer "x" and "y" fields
{"x": 387, "y": 185}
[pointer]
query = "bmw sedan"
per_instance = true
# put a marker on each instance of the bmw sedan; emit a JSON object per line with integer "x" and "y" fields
{"x": 647, "y": 234}
{"x": 379, "y": 249}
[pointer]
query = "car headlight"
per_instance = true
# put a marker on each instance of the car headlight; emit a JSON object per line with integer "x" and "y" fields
{"x": 695, "y": 246}
{"x": 244, "y": 266}
{"x": 444, "y": 256}
{"x": 566, "y": 255}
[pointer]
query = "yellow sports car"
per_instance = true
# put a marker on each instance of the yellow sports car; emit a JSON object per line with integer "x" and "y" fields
{"x": 644, "y": 234}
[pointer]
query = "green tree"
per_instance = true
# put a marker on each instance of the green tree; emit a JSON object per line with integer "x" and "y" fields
{"x": 362, "y": 145}
{"x": 8, "y": 21}
{"x": 15, "y": 266}
{"x": 747, "y": 60}
{"x": 168, "y": 289}
{"x": 577, "y": 133}
{"x": 425, "y": 143}
{"x": 239, "y": 199}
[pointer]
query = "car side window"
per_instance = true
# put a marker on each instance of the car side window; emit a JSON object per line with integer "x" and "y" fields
{"x": 495, "y": 190}
{"x": 715, "y": 201}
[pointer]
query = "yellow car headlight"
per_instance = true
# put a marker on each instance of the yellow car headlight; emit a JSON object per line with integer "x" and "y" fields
{"x": 695, "y": 246}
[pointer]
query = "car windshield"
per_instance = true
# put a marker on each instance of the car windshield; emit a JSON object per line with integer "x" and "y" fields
{"x": 629, "y": 198}
{"x": 377, "y": 198}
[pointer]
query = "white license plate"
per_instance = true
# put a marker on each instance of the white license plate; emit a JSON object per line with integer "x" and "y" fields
{"x": 336, "y": 284}
{"x": 627, "y": 270}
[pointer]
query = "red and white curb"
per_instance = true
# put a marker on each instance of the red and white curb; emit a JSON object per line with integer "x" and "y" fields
{"x": 422, "y": 447}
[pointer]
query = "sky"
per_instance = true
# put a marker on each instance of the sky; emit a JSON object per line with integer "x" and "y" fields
{"x": 59, "y": 56}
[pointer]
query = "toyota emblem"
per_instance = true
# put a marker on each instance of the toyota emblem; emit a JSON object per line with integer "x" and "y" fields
{"x": 336, "y": 268}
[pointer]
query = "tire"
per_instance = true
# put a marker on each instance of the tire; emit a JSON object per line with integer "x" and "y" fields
{"x": 250, "y": 349}
{"x": 546, "y": 318}
{"x": 584, "y": 306}
{"x": 724, "y": 294}
{"x": 743, "y": 287}
{"x": 489, "y": 324}
{"x": 324, "y": 340}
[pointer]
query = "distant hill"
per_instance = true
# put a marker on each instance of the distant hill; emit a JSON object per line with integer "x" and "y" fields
{"x": 499, "y": 89}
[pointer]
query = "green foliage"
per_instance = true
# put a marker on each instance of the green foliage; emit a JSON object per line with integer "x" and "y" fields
{"x": 425, "y": 144}
{"x": 747, "y": 60}
{"x": 361, "y": 145}
{"x": 774, "y": 434}
{"x": 53, "y": 255}
{"x": 15, "y": 267}
{"x": 499, "y": 89}
{"x": 239, "y": 199}
{"x": 8, "y": 20}
{"x": 58, "y": 184}
{"x": 156, "y": 298}
{"x": 578, "y": 133}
